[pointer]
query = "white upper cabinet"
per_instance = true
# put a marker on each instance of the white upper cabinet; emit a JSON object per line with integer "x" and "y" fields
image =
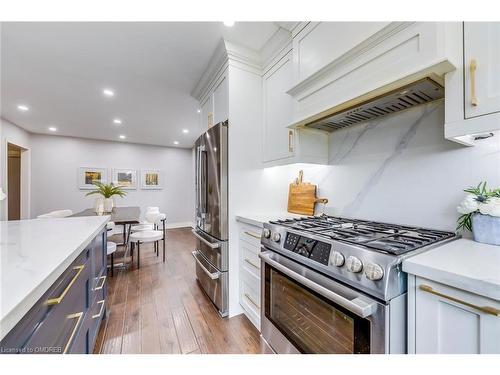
{"x": 207, "y": 112}
{"x": 472, "y": 100}
{"x": 278, "y": 140}
{"x": 220, "y": 100}
{"x": 482, "y": 77}
{"x": 281, "y": 145}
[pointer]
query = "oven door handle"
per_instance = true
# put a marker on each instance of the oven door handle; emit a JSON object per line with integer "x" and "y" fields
{"x": 357, "y": 305}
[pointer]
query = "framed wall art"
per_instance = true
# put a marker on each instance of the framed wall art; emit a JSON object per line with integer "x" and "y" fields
{"x": 151, "y": 179}
{"x": 88, "y": 175}
{"x": 126, "y": 178}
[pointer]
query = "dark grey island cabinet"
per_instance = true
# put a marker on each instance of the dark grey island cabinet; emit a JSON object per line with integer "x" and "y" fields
{"x": 66, "y": 319}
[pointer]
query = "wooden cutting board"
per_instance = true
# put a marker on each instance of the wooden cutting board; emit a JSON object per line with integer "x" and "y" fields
{"x": 302, "y": 197}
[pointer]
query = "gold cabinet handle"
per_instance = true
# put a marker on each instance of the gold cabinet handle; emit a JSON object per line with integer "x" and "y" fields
{"x": 100, "y": 311}
{"x": 473, "y": 97}
{"x": 103, "y": 278}
{"x": 252, "y": 235}
{"x": 485, "y": 309}
{"x": 252, "y": 264}
{"x": 247, "y": 296}
{"x": 58, "y": 300}
{"x": 78, "y": 317}
{"x": 290, "y": 141}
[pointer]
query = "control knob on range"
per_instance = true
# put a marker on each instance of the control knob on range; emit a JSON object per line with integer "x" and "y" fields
{"x": 354, "y": 265}
{"x": 266, "y": 232}
{"x": 337, "y": 259}
{"x": 276, "y": 237}
{"x": 374, "y": 272}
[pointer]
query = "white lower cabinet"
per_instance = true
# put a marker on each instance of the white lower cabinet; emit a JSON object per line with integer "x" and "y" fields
{"x": 249, "y": 248}
{"x": 446, "y": 320}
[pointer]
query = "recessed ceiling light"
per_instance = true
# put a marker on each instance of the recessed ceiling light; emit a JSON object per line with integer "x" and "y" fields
{"x": 185, "y": 131}
{"x": 176, "y": 142}
{"x": 52, "y": 128}
{"x": 23, "y": 107}
{"x": 229, "y": 23}
{"x": 198, "y": 111}
{"x": 122, "y": 136}
{"x": 108, "y": 92}
{"x": 117, "y": 121}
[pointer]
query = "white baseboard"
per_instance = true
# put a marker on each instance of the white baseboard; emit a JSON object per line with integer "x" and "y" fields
{"x": 180, "y": 224}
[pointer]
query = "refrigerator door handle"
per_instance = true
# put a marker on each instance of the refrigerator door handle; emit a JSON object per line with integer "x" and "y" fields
{"x": 205, "y": 241}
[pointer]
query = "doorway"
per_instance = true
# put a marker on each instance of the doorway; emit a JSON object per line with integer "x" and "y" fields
{"x": 14, "y": 181}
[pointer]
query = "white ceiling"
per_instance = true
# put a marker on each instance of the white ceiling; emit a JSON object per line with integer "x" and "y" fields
{"x": 59, "y": 70}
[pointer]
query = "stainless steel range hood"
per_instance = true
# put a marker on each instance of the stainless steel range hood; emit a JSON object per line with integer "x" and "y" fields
{"x": 367, "y": 108}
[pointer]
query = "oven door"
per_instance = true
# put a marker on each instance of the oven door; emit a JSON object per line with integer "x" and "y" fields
{"x": 304, "y": 311}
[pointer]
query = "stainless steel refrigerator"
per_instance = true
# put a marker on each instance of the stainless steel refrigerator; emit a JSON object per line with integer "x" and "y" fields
{"x": 211, "y": 252}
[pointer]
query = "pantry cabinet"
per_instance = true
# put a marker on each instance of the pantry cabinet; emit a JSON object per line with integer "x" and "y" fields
{"x": 472, "y": 101}
{"x": 447, "y": 320}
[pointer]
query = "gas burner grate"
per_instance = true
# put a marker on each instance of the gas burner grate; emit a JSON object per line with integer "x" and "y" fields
{"x": 383, "y": 237}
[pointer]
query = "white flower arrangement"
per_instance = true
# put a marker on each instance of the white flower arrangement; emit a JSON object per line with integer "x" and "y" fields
{"x": 478, "y": 200}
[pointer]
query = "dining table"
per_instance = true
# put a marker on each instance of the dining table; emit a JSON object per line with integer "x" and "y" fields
{"x": 119, "y": 215}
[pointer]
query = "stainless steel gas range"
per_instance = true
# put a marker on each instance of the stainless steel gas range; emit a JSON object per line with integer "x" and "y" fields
{"x": 335, "y": 285}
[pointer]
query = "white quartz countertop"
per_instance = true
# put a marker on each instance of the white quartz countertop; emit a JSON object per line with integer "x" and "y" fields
{"x": 464, "y": 264}
{"x": 258, "y": 219}
{"x": 33, "y": 254}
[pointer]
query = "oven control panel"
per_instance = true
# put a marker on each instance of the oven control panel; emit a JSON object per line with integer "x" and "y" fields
{"x": 307, "y": 247}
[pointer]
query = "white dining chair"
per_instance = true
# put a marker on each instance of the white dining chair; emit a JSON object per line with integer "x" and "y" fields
{"x": 145, "y": 225}
{"x": 111, "y": 246}
{"x": 56, "y": 214}
{"x": 151, "y": 235}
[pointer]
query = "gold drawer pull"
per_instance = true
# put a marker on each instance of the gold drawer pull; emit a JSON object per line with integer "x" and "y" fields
{"x": 252, "y": 301}
{"x": 100, "y": 311}
{"x": 77, "y": 316}
{"x": 473, "y": 97}
{"x": 485, "y": 309}
{"x": 253, "y": 235}
{"x": 250, "y": 262}
{"x": 103, "y": 278}
{"x": 58, "y": 300}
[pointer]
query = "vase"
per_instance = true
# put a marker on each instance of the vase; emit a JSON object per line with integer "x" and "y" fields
{"x": 99, "y": 205}
{"x": 486, "y": 229}
{"x": 108, "y": 205}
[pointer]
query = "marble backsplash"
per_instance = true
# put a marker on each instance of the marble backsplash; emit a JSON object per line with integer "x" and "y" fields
{"x": 401, "y": 169}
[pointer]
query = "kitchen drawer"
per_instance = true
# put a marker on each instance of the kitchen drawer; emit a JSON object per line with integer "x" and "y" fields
{"x": 59, "y": 330}
{"x": 99, "y": 257}
{"x": 44, "y": 321}
{"x": 250, "y": 298}
{"x": 250, "y": 234}
{"x": 97, "y": 312}
{"x": 249, "y": 259}
{"x": 452, "y": 321}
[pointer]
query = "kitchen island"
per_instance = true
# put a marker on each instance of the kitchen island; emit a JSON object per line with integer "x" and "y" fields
{"x": 53, "y": 292}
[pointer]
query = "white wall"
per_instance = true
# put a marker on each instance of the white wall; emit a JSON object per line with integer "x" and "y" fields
{"x": 54, "y": 175}
{"x": 11, "y": 133}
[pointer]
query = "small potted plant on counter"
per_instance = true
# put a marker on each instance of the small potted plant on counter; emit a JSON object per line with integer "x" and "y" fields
{"x": 480, "y": 213}
{"x": 107, "y": 191}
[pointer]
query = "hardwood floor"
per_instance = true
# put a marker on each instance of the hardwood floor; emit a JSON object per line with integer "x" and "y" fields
{"x": 160, "y": 308}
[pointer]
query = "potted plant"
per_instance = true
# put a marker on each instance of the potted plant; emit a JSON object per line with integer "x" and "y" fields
{"x": 107, "y": 191}
{"x": 480, "y": 213}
